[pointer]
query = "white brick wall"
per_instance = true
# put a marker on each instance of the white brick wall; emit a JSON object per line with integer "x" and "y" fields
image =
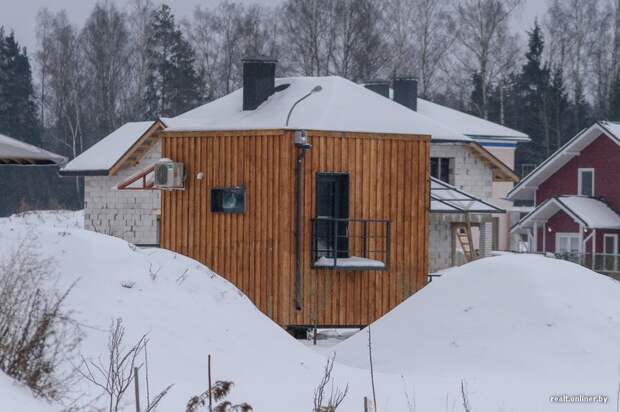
{"x": 128, "y": 214}
{"x": 475, "y": 177}
{"x": 471, "y": 173}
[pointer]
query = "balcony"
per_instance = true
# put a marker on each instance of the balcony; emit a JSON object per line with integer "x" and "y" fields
{"x": 350, "y": 244}
{"x": 607, "y": 264}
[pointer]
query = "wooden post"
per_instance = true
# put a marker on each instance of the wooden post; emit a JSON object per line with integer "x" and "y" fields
{"x": 137, "y": 388}
{"x": 210, "y": 396}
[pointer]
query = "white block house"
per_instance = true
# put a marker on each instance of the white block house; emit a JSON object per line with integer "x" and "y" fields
{"x": 118, "y": 196}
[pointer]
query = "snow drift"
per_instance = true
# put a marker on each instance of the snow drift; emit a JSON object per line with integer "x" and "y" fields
{"x": 516, "y": 329}
{"x": 515, "y": 318}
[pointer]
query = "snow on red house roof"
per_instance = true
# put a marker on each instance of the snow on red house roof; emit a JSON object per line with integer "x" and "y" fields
{"x": 341, "y": 106}
{"x": 589, "y": 212}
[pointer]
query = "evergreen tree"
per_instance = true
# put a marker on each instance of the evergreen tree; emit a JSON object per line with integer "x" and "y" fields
{"x": 533, "y": 97}
{"x": 559, "y": 107}
{"x": 22, "y": 188}
{"x": 172, "y": 83}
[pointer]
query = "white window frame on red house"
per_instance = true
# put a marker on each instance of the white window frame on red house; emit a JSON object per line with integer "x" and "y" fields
{"x": 569, "y": 235}
{"x": 614, "y": 236}
{"x": 580, "y": 172}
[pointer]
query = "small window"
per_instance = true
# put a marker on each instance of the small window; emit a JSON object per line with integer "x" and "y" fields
{"x": 228, "y": 200}
{"x": 586, "y": 182}
{"x": 440, "y": 169}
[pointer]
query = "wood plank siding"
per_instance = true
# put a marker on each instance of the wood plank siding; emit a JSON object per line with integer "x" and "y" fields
{"x": 255, "y": 250}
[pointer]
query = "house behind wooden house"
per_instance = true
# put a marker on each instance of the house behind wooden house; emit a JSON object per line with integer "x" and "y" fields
{"x": 577, "y": 200}
{"x": 459, "y": 234}
{"x": 119, "y": 199}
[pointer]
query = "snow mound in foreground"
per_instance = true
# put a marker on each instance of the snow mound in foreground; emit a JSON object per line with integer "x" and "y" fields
{"x": 517, "y": 316}
{"x": 61, "y": 219}
{"x": 17, "y": 398}
{"x": 187, "y": 311}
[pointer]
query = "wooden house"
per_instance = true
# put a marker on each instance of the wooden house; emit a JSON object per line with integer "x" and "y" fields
{"x": 311, "y": 194}
{"x": 576, "y": 200}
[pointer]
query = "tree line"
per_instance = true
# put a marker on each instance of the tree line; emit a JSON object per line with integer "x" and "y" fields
{"x": 138, "y": 62}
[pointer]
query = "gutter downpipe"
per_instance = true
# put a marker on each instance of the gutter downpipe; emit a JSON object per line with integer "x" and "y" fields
{"x": 302, "y": 145}
{"x": 298, "y": 220}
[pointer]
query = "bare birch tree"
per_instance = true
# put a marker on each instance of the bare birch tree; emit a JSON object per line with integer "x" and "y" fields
{"x": 484, "y": 35}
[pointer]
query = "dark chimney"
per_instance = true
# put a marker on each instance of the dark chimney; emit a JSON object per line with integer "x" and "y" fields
{"x": 381, "y": 87}
{"x": 406, "y": 92}
{"x": 259, "y": 76}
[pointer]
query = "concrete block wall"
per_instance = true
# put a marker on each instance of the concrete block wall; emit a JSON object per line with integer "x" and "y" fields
{"x": 470, "y": 172}
{"x": 474, "y": 176}
{"x": 128, "y": 214}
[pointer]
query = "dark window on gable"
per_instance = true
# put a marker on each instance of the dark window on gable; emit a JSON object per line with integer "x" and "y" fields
{"x": 586, "y": 182}
{"x": 440, "y": 169}
{"x": 228, "y": 200}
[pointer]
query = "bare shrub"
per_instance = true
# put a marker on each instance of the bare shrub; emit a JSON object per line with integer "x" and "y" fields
{"x": 218, "y": 393}
{"x": 114, "y": 375}
{"x": 36, "y": 333}
{"x": 322, "y": 402}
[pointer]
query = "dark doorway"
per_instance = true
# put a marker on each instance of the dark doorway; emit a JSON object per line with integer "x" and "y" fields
{"x": 332, "y": 203}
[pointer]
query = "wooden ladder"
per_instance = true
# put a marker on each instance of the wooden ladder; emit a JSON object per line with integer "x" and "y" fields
{"x": 463, "y": 235}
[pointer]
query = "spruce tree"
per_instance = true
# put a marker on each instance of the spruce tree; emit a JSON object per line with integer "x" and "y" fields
{"x": 172, "y": 83}
{"x": 532, "y": 96}
{"x": 24, "y": 187}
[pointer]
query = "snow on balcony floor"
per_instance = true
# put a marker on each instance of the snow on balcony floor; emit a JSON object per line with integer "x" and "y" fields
{"x": 350, "y": 262}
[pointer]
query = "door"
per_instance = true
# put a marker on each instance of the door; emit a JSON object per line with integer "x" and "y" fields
{"x": 332, "y": 201}
{"x": 610, "y": 251}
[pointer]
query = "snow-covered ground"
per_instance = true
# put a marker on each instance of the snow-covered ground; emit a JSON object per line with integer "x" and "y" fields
{"x": 517, "y": 329}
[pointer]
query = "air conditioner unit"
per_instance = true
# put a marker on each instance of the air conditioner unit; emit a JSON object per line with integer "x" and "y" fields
{"x": 169, "y": 175}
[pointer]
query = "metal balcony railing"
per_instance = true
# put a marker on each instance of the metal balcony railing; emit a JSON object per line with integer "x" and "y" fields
{"x": 350, "y": 244}
{"x": 608, "y": 264}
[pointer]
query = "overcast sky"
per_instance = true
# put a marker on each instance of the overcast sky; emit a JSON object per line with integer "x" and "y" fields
{"x": 20, "y": 15}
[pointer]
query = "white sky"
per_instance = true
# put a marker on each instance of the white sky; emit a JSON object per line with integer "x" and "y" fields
{"x": 20, "y": 15}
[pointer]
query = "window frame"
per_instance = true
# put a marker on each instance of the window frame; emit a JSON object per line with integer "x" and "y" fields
{"x": 568, "y": 235}
{"x": 613, "y": 236}
{"x": 450, "y": 168}
{"x": 223, "y": 189}
{"x": 580, "y": 173}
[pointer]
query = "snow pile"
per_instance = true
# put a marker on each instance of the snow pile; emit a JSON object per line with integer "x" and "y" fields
{"x": 187, "y": 311}
{"x": 517, "y": 328}
{"x": 505, "y": 323}
{"x": 60, "y": 219}
{"x": 17, "y": 398}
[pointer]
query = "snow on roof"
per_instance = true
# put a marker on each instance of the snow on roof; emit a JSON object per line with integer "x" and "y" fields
{"x": 525, "y": 189}
{"x": 446, "y": 198}
{"x": 341, "y": 105}
{"x": 103, "y": 155}
{"x": 13, "y": 151}
{"x": 468, "y": 124}
{"x": 591, "y": 213}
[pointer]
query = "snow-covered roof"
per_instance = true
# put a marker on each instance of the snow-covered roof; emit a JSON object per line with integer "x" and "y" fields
{"x": 13, "y": 151}
{"x": 526, "y": 188}
{"x": 104, "y": 154}
{"x": 341, "y": 106}
{"x": 468, "y": 124}
{"x": 446, "y": 198}
{"x": 589, "y": 212}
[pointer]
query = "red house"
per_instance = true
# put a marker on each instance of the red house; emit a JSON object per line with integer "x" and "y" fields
{"x": 576, "y": 197}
